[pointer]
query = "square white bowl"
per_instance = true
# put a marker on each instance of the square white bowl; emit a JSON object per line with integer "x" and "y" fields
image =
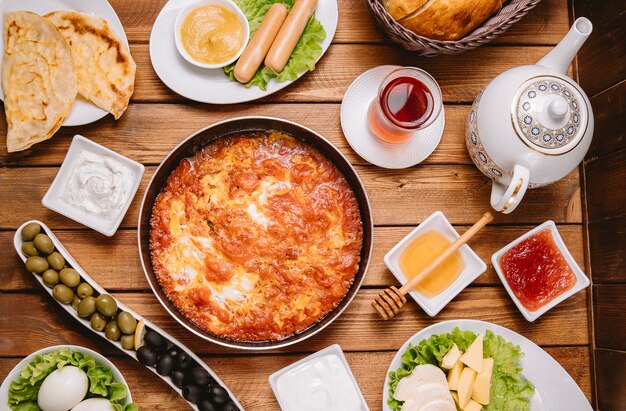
{"x": 581, "y": 279}
{"x": 333, "y": 349}
{"x": 53, "y": 198}
{"x": 473, "y": 265}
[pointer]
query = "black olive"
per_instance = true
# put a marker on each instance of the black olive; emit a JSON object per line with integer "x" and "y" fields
{"x": 192, "y": 393}
{"x": 205, "y": 405}
{"x": 154, "y": 340}
{"x": 183, "y": 361}
{"x": 165, "y": 364}
{"x": 218, "y": 395}
{"x": 178, "y": 378}
{"x": 173, "y": 351}
{"x": 198, "y": 376}
{"x": 230, "y": 406}
{"x": 147, "y": 356}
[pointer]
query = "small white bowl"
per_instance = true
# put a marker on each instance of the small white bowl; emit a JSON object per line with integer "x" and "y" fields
{"x": 53, "y": 198}
{"x": 333, "y": 349}
{"x": 227, "y": 4}
{"x": 14, "y": 374}
{"x": 473, "y": 268}
{"x": 581, "y": 279}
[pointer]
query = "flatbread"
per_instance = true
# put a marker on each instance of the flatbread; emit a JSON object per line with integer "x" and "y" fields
{"x": 106, "y": 70}
{"x": 38, "y": 77}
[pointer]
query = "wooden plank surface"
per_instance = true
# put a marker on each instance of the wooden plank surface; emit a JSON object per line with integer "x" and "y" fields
{"x": 605, "y": 186}
{"x": 94, "y": 253}
{"x": 607, "y": 243}
{"x": 609, "y": 301}
{"x": 611, "y": 391}
{"x": 255, "y": 393}
{"x": 546, "y": 24}
{"x": 610, "y": 122}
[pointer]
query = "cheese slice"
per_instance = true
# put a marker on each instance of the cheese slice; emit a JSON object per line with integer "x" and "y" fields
{"x": 422, "y": 375}
{"x": 466, "y": 386}
{"x": 438, "y": 405}
{"x": 473, "y": 358}
{"x": 472, "y": 406}
{"x": 455, "y": 397}
{"x": 482, "y": 385}
{"x": 450, "y": 358}
{"x": 454, "y": 375}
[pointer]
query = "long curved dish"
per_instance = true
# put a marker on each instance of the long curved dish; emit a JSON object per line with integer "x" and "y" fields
{"x": 17, "y": 242}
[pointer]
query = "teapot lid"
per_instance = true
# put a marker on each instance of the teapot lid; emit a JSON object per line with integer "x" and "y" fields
{"x": 550, "y": 114}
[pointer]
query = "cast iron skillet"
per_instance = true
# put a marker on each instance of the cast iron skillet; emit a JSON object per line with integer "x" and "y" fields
{"x": 235, "y": 126}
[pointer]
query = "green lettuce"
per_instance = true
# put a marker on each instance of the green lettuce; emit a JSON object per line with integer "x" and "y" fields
{"x": 23, "y": 392}
{"x": 307, "y": 51}
{"x": 509, "y": 390}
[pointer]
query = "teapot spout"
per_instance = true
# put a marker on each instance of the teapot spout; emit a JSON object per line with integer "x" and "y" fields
{"x": 563, "y": 54}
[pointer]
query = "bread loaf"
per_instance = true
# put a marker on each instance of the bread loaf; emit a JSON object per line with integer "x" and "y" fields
{"x": 442, "y": 19}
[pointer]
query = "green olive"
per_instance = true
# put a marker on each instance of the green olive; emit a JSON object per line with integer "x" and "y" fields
{"x": 30, "y": 230}
{"x": 76, "y": 302}
{"x": 84, "y": 290}
{"x": 98, "y": 322}
{"x": 36, "y": 264}
{"x": 63, "y": 293}
{"x": 56, "y": 261}
{"x": 106, "y": 305}
{"x": 50, "y": 277}
{"x": 28, "y": 248}
{"x": 128, "y": 342}
{"x": 126, "y": 322}
{"x": 112, "y": 331}
{"x": 43, "y": 244}
{"x": 69, "y": 277}
{"x": 86, "y": 307}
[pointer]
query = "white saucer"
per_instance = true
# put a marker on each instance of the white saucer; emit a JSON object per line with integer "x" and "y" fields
{"x": 354, "y": 110}
{"x": 212, "y": 85}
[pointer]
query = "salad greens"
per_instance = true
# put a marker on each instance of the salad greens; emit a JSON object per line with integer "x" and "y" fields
{"x": 304, "y": 56}
{"x": 23, "y": 392}
{"x": 509, "y": 390}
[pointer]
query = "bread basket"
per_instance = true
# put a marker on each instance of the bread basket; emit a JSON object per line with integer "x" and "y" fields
{"x": 497, "y": 24}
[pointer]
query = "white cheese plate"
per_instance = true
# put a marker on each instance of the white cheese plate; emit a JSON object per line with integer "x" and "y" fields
{"x": 555, "y": 389}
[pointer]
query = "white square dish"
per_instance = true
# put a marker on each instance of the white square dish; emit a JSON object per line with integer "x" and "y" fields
{"x": 54, "y": 197}
{"x": 473, "y": 265}
{"x": 581, "y": 279}
{"x": 334, "y": 349}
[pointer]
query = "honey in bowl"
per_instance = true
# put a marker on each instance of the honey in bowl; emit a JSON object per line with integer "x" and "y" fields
{"x": 212, "y": 34}
{"x": 422, "y": 251}
{"x": 536, "y": 270}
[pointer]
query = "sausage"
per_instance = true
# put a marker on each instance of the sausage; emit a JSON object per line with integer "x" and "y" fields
{"x": 289, "y": 34}
{"x": 257, "y": 48}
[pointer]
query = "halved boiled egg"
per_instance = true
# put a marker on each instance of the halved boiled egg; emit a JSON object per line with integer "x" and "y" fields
{"x": 94, "y": 404}
{"x": 63, "y": 389}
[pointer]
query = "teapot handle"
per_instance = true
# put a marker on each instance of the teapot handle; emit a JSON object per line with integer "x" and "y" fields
{"x": 506, "y": 197}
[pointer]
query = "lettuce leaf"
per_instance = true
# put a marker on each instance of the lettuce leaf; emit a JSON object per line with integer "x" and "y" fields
{"x": 23, "y": 392}
{"x": 307, "y": 51}
{"x": 509, "y": 390}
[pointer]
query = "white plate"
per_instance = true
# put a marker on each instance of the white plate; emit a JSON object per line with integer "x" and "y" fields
{"x": 83, "y": 111}
{"x": 555, "y": 390}
{"x": 53, "y": 198}
{"x": 14, "y": 374}
{"x": 582, "y": 281}
{"x": 473, "y": 266}
{"x": 354, "y": 110}
{"x": 213, "y": 86}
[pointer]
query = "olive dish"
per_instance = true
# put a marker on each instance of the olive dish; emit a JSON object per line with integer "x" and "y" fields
{"x": 90, "y": 304}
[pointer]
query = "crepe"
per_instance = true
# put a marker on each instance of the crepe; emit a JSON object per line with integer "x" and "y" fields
{"x": 106, "y": 70}
{"x": 38, "y": 78}
{"x": 442, "y": 19}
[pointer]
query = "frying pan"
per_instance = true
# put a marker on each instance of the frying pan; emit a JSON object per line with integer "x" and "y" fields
{"x": 188, "y": 148}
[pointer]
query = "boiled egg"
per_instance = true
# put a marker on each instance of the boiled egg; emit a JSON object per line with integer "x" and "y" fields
{"x": 63, "y": 389}
{"x": 94, "y": 404}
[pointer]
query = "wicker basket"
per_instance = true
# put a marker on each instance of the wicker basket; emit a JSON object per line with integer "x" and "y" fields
{"x": 492, "y": 27}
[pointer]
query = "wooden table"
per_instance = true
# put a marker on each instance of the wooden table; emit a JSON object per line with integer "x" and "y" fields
{"x": 158, "y": 119}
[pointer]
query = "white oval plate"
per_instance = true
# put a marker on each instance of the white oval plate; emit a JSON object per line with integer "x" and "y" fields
{"x": 14, "y": 375}
{"x": 555, "y": 390}
{"x": 83, "y": 111}
{"x": 213, "y": 86}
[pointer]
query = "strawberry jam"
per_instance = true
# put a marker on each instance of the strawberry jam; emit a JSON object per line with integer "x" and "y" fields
{"x": 536, "y": 270}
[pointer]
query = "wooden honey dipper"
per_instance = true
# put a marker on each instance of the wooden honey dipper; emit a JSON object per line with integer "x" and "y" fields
{"x": 391, "y": 300}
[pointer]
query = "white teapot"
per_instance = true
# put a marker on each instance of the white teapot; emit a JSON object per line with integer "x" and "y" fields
{"x": 531, "y": 125}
